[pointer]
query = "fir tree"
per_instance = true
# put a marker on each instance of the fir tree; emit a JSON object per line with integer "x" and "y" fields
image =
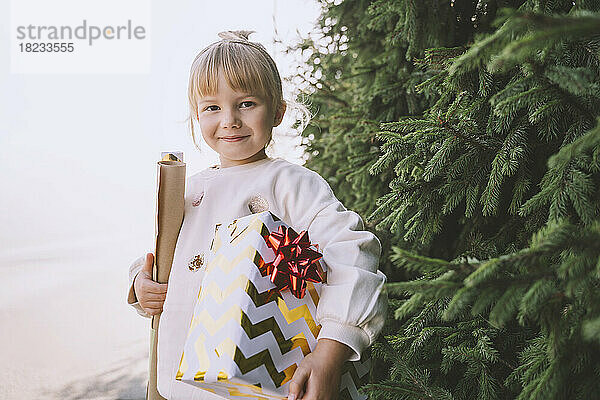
{"x": 359, "y": 69}
{"x": 471, "y": 141}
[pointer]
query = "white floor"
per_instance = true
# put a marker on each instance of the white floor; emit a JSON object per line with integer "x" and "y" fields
{"x": 66, "y": 331}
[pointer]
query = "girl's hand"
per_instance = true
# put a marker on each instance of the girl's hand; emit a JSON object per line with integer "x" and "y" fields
{"x": 321, "y": 371}
{"x": 151, "y": 295}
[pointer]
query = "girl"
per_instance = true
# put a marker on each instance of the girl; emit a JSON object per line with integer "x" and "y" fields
{"x": 235, "y": 96}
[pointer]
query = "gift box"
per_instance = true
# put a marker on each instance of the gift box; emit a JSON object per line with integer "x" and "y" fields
{"x": 254, "y": 318}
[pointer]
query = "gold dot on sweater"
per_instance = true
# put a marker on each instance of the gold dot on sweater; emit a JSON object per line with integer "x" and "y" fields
{"x": 257, "y": 204}
{"x": 197, "y": 200}
{"x": 196, "y": 262}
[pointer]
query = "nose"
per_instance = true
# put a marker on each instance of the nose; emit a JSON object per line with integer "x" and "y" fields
{"x": 230, "y": 119}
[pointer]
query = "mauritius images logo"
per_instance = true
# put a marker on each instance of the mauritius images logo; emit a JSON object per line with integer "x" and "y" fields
{"x": 74, "y": 36}
{"x": 86, "y": 32}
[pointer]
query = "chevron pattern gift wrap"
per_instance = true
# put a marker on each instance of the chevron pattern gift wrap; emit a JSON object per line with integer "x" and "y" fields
{"x": 243, "y": 341}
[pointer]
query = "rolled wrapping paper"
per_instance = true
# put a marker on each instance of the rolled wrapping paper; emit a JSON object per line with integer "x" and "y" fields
{"x": 169, "y": 217}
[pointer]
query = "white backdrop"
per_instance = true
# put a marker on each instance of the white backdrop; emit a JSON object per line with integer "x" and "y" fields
{"x": 78, "y": 159}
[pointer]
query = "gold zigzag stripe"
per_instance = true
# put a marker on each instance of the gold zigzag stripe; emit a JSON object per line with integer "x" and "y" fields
{"x": 247, "y": 391}
{"x": 257, "y": 260}
{"x": 259, "y": 299}
{"x": 254, "y": 361}
{"x": 264, "y": 358}
{"x": 256, "y": 225}
{"x": 261, "y": 358}
{"x": 255, "y": 396}
{"x": 221, "y": 262}
{"x": 243, "y": 282}
{"x": 254, "y": 330}
{"x": 236, "y": 392}
{"x": 227, "y": 346}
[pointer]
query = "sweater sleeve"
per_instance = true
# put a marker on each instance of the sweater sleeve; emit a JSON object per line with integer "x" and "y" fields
{"x": 353, "y": 304}
{"x": 134, "y": 268}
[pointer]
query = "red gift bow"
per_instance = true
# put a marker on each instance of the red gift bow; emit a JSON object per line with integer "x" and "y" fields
{"x": 295, "y": 263}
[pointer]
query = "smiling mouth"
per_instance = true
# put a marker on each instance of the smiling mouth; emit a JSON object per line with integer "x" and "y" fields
{"x": 233, "y": 139}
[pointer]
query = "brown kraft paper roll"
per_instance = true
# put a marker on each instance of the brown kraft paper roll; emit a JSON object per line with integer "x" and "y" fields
{"x": 169, "y": 217}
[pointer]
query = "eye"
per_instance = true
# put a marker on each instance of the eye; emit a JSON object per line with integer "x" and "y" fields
{"x": 208, "y": 108}
{"x": 248, "y": 103}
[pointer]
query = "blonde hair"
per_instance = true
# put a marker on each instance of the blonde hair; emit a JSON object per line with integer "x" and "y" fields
{"x": 246, "y": 66}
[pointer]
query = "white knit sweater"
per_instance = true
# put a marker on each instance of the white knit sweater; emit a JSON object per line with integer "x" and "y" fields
{"x": 353, "y": 303}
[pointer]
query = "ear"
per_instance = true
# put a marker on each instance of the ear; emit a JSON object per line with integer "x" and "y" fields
{"x": 279, "y": 114}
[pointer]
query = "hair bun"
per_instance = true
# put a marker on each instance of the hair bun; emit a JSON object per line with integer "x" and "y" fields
{"x": 235, "y": 35}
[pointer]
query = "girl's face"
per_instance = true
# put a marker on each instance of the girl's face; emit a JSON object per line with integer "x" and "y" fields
{"x": 236, "y": 125}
